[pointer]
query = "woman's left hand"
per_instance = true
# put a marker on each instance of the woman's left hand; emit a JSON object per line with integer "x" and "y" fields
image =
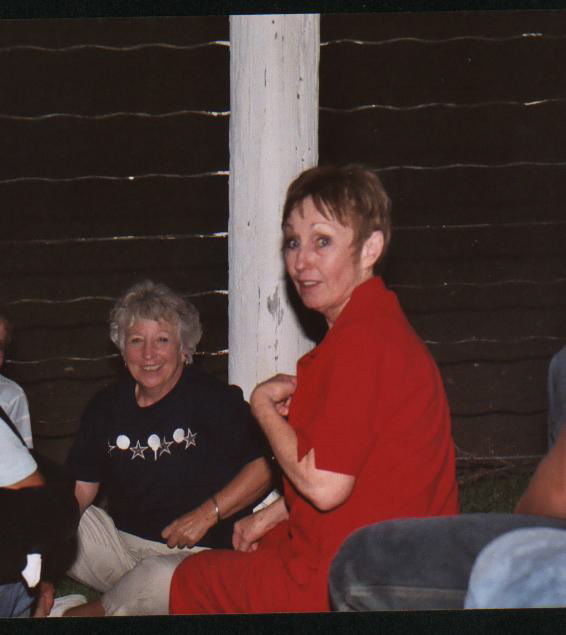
{"x": 189, "y": 528}
{"x": 275, "y": 393}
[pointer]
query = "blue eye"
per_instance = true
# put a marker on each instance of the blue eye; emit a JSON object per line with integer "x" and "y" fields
{"x": 291, "y": 243}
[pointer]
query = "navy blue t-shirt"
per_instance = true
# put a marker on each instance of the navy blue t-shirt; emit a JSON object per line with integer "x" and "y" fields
{"x": 159, "y": 462}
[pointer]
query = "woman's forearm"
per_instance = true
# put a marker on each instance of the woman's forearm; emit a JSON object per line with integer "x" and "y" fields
{"x": 35, "y": 479}
{"x": 325, "y": 489}
{"x": 283, "y": 441}
{"x": 271, "y": 515}
{"x": 251, "y": 482}
{"x": 246, "y": 487}
{"x": 85, "y": 493}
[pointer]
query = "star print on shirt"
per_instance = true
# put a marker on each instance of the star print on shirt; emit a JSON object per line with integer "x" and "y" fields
{"x": 110, "y": 447}
{"x": 165, "y": 446}
{"x": 138, "y": 450}
{"x": 190, "y": 439}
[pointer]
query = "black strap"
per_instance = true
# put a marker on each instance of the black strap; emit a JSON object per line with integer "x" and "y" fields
{"x": 11, "y": 424}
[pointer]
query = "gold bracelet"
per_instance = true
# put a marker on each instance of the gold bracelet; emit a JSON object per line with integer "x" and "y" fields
{"x": 216, "y": 509}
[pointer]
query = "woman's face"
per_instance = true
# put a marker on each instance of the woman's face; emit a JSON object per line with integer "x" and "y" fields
{"x": 320, "y": 260}
{"x": 152, "y": 352}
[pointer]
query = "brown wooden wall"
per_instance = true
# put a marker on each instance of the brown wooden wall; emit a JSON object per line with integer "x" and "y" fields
{"x": 113, "y": 168}
{"x": 464, "y": 116}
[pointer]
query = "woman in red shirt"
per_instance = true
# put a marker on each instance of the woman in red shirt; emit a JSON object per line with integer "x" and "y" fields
{"x": 362, "y": 432}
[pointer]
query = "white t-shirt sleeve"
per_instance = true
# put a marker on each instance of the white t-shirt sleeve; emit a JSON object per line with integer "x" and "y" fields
{"x": 13, "y": 400}
{"x": 16, "y": 463}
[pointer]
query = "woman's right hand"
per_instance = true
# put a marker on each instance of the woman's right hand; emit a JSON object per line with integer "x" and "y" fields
{"x": 247, "y": 533}
{"x": 189, "y": 528}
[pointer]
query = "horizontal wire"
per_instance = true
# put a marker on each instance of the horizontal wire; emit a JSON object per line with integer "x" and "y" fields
{"x": 106, "y": 177}
{"x": 102, "y": 298}
{"x": 506, "y": 225}
{"x": 114, "y": 49}
{"x": 444, "y": 285}
{"x": 398, "y": 286}
{"x": 115, "y": 115}
{"x": 498, "y": 457}
{"x": 486, "y": 340}
{"x": 448, "y": 105}
{"x": 472, "y": 340}
{"x": 107, "y": 239}
{"x": 70, "y": 359}
{"x": 330, "y": 109}
{"x": 131, "y": 238}
{"x": 453, "y": 166}
{"x": 388, "y": 168}
{"x": 458, "y": 38}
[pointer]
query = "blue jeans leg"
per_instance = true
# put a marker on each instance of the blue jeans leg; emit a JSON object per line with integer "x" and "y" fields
{"x": 525, "y": 568}
{"x": 15, "y": 600}
{"x": 416, "y": 564}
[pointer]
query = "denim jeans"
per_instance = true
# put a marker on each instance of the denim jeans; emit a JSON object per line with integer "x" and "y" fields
{"x": 556, "y": 395}
{"x": 15, "y": 600}
{"x": 525, "y": 568}
{"x": 420, "y": 564}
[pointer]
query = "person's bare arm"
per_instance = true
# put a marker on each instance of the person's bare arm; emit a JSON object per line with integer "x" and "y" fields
{"x": 246, "y": 487}
{"x": 270, "y": 404}
{"x": 250, "y": 529}
{"x": 45, "y": 599}
{"x": 35, "y": 479}
{"x": 85, "y": 493}
{"x": 546, "y": 492}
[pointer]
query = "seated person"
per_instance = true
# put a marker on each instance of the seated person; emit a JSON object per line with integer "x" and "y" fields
{"x": 426, "y": 563}
{"x": 556, "y": 395}
{"x": 362, "y": 433}
{"x": 526, "y": 567}
{"x": 12, "y": 396}
{"x": 178, "y": 453}
{"x": 37, "y": 518}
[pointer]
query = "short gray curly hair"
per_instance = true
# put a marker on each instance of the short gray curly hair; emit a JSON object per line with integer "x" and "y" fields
{"x": 148, "y": 300}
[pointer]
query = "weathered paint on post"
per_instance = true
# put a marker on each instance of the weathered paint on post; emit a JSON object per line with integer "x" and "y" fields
{"x": 273, "y": 137}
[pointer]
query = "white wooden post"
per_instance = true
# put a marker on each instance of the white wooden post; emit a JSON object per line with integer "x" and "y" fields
{"x": 273, "y": 137}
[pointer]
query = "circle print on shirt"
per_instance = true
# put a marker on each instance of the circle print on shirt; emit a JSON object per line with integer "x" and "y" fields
{"x": 154, "y": 443}
{"x": 123, "y": 442}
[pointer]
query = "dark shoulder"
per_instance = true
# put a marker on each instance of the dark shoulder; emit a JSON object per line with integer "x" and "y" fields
{"x": 109, "y": 397}
{"x": 209, "y": 388}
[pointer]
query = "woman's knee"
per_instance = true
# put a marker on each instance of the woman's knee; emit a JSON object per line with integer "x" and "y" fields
{"x": 145, "y": 589}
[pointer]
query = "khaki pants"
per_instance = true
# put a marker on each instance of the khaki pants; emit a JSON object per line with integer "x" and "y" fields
{"x": 133, "y": 574}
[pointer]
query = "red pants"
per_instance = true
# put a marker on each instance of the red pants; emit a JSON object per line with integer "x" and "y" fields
{"x": 223, "y": 581}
